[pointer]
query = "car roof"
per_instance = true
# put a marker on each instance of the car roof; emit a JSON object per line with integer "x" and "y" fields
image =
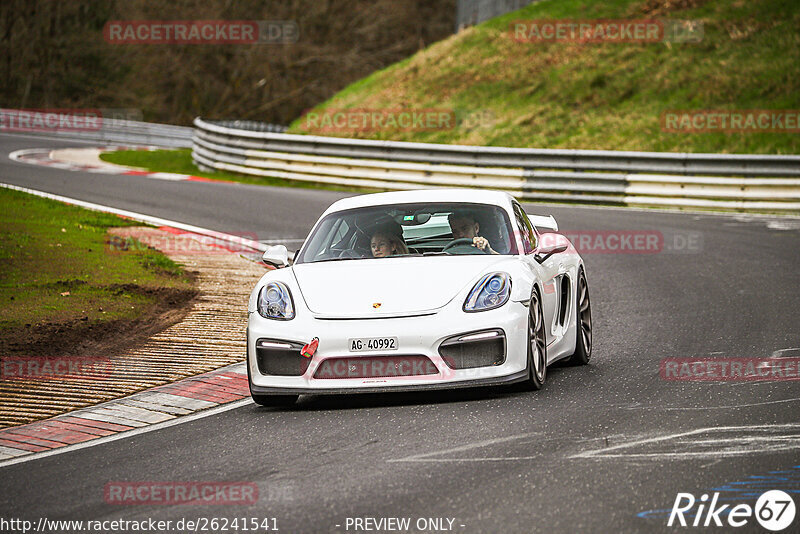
{"x": 473, "y": 196}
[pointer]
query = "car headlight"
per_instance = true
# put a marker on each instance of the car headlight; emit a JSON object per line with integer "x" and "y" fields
{"x": 275, "y": 302}
{"x": 491, "y": 291}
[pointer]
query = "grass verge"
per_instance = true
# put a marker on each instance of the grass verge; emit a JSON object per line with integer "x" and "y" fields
{"x": 61, "y": 285}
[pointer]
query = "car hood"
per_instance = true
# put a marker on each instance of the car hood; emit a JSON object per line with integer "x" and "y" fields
{"x": 387, "y": 287}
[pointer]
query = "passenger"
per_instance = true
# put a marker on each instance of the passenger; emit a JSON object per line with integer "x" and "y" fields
{"x": 464, "y": 226}
{"x": 388, "y": 241}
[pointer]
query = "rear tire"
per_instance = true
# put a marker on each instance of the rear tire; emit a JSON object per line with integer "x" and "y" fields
{"x": 274, "y": 400}
{"x": 583, "y": 331}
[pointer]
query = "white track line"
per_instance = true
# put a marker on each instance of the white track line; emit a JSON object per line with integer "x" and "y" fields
{"x": 556, "y": 204}
{"x": 129, "y": 433}
{"x": 63, "y": 139}
{"x": 156, "y": 221}
{"x": 96, "y": 167}
{"x": 606, "y": 452}
{"x": 18, "y": 154}
{"x": 769, "y": 443}
{"x": 729, "y": 407}
{"x": 425, "y": 457}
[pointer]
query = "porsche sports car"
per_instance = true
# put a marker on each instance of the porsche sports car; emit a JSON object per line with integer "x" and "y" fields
{"x": 418, "y": 290}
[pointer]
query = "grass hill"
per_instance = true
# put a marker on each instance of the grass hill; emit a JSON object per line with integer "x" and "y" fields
{"x": 595, "y": 95}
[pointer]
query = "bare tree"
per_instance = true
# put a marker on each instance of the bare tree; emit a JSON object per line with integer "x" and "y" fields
{"x": 53, "y": 54}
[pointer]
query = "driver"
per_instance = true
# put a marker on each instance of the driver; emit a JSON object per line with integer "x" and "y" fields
{"x": 464, "y": 226}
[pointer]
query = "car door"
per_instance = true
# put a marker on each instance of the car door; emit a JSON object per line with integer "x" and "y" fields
{"x": 547, "y": 272}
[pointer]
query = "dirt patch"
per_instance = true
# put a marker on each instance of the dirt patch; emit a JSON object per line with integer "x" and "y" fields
{"x": 107, "y": 338}
{"x": 662, "y": 7}
{"x": 184, "y": 332}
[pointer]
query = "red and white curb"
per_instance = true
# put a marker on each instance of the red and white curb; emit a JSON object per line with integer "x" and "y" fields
{"x": 161, "y": 404}
{"x": 55, "y": 159}
{"x": 179, "y": 402}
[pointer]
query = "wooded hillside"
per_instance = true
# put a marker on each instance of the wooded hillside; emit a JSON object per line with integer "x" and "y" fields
{"x": 53, "y": 55}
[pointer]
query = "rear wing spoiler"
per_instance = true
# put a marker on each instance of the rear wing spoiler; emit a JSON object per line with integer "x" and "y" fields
{"x": 540, "y": 221}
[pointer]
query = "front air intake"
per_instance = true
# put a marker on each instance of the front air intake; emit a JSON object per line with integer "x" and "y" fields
{"x": 475, "y": 349}
{"x": 280, "y": 358}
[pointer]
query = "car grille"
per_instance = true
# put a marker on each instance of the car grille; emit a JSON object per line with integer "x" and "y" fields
{"x": 476, "y": 349}
{"x": 376, "y": 367}
{"x": 280, "y": 358}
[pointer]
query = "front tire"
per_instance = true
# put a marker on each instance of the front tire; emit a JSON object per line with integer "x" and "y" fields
{"x": 274, "y": 400}
{"x": 267, "y": 400}
{"x": 537, "y": 344}
{"x": 583, "y": 307}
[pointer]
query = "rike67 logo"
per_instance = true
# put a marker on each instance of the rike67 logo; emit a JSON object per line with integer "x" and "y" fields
{"x": 774, "y": 510}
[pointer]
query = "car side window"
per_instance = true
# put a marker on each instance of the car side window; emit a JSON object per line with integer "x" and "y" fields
{"x": 525, "y": 229}
{"x": 531, "y": 230}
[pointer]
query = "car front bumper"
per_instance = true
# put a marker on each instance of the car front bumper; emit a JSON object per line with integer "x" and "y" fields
{"x": 417, "y": 336}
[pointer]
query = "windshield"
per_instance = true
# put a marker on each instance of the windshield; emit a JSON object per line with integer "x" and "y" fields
{"x": 410, "y": 230}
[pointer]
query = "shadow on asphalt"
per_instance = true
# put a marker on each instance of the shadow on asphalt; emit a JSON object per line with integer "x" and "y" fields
{"x": 379, "y": 400}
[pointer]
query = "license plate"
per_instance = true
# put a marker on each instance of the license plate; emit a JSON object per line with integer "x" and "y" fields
{"x": 366, "y": 344}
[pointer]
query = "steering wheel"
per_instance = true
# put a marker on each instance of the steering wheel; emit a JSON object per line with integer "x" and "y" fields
{"x": 350, "y": 253}
{"x": 462, "y": 245}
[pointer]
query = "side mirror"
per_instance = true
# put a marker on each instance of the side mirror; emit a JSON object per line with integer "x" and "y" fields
{"x": 277, "y": 256}
{"x": 545, "y": 252}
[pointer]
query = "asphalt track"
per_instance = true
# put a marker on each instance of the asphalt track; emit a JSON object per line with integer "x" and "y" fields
{"x": 602, "y": 448}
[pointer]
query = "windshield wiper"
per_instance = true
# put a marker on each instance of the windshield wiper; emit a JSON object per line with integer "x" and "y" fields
{"x": 410, "y": 255}
{"x": 334, "y": 259}
{"x": 429, "y": 238}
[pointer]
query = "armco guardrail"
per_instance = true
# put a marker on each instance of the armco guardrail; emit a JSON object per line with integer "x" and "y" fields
{"x": 107, "y": 130}
{"x": 716, "y": 181}
{"x": 252, "y": 126}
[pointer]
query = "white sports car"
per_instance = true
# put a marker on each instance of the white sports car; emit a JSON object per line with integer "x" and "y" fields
{"x": 418, "y": 290}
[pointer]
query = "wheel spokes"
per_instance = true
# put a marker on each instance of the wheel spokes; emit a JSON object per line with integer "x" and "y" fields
{"x": 585, "y": 314}
{"x": 541, "y": 350}
{"x": 537, "y": 338}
